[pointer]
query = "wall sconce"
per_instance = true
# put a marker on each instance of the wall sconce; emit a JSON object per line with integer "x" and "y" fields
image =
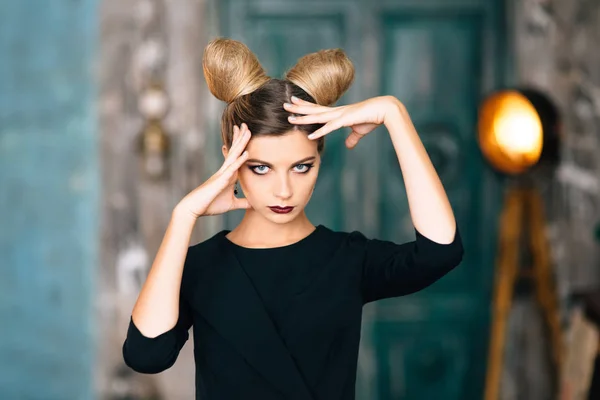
{"x": 518, "y": 129}
{"x": 154, "y": 142}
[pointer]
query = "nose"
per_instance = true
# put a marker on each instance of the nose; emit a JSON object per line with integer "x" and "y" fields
{"x": 283, "y": 187}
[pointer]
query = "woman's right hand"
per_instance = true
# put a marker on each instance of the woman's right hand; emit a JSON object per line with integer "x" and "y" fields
{"x": 216, "y": 196}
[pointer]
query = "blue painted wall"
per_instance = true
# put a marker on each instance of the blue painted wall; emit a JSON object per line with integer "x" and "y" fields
{"x": 49, "y": 189}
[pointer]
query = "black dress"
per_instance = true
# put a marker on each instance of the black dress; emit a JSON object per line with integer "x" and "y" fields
{"x": 284, "y": 323}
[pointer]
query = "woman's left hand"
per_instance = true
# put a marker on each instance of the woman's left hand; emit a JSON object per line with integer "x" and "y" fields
{"x": 362, "y": 117}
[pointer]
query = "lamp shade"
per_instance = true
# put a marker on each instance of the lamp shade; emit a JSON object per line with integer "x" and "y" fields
{"x": 517, "y": 129}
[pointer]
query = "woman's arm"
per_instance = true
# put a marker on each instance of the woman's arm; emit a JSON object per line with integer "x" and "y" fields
{"x": 161, "y": 317}
{"x": 157, "y": 307}
{"x": 391, "y": 269}
{"x": 430, "y": 209}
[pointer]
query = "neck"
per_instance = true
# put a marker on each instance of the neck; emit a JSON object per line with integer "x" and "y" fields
{"x": 255, "y": 230}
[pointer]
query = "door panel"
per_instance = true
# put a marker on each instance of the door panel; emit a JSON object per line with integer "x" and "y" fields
{"x": 429, "y": 54}
{"x": 421, "y": 363}
{"x": 433, "y": 63}
{"x": 278, "y": 40}
{"x": 430, "y": 64}
{"x": 279, "y": 36}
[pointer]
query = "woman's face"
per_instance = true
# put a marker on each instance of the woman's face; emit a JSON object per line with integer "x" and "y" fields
{"x": 281, "y": 172}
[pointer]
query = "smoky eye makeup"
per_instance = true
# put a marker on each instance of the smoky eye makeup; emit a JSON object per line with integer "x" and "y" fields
{"x": 305, "y": 167}
{"x": 259, "y": 169}
{"x": 262, "y": 169}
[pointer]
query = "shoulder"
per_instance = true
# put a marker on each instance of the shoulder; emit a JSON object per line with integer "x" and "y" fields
{"x": 360, "y": 244}
{"x": 208, "y": 249}
{"x": 209, "y": 243}
{"x": 349, "y": 239}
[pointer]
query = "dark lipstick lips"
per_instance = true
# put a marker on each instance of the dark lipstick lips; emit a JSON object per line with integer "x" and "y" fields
{"x": 281, "y": 210}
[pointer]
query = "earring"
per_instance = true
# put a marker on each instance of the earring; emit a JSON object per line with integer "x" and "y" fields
{"x": 235, "y": 191}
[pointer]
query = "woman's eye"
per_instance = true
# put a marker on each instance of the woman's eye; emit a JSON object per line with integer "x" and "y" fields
{"x": 259, "y": 169}
{"x": 302, "y": 168}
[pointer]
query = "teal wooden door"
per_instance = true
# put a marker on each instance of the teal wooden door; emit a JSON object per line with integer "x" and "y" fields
{"x": 438, "y": 57}
{"x": 433, "y": 345}
{"x": 280, "y": 33}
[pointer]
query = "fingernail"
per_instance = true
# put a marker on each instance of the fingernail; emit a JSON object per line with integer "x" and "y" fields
{"x": 294, "y": 98}
{"x": 311, "y": 136}
{"x": 292, "y": 118}
{"x": 286, "y": 105}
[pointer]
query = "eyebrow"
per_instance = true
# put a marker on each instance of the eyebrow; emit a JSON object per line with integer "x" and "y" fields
{"x": 261, "y": 162}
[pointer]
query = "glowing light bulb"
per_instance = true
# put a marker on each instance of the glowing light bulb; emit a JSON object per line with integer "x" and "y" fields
{"x": 510, "y": 132}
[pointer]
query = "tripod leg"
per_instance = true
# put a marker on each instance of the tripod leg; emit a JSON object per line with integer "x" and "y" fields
{"x": 506, "y": 273}
{"x": 546, "y": 292}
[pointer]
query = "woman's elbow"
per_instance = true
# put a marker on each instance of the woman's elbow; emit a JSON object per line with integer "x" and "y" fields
{"x": 436, "y": 256}
{"x": 455, "y": 255}
{"x": 451, "y": 255}
{"x": 146, "y": 362}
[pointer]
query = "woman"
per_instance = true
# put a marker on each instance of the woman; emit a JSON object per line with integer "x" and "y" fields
{"x": 276, "y": 303}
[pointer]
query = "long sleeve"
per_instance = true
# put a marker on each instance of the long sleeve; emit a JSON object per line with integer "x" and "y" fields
{"x": 153, "y": 355}
{"x": 391, "y": 270}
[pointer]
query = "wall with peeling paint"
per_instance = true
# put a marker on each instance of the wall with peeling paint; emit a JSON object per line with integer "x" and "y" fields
{"x": 554, "y": 48}
{"x": 64, "y": 305}
{"x": 145, "y": 41}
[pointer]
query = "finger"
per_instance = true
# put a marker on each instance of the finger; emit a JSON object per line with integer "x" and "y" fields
{"x": 236, "y": 149}
{"x": 320, "y": 118}
{"x": 240, "y": 133}
{"x": 241, "y": 142}
{"x": 241, "y": 130}
{"x": 305, "y": 109}
{"x": 235, "y": 165}
{"x": 353, "y": 139}
{"x": 234, "y": 140}
{"x": 299, "y": 101}
{"x": 236, "y": 132}
{"x": 327, "y": 128}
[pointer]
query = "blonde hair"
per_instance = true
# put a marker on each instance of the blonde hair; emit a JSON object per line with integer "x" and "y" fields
{"x": 234, "y": 75}
{"x": 324, "y": 75}
{"x": 231, "y": 69}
